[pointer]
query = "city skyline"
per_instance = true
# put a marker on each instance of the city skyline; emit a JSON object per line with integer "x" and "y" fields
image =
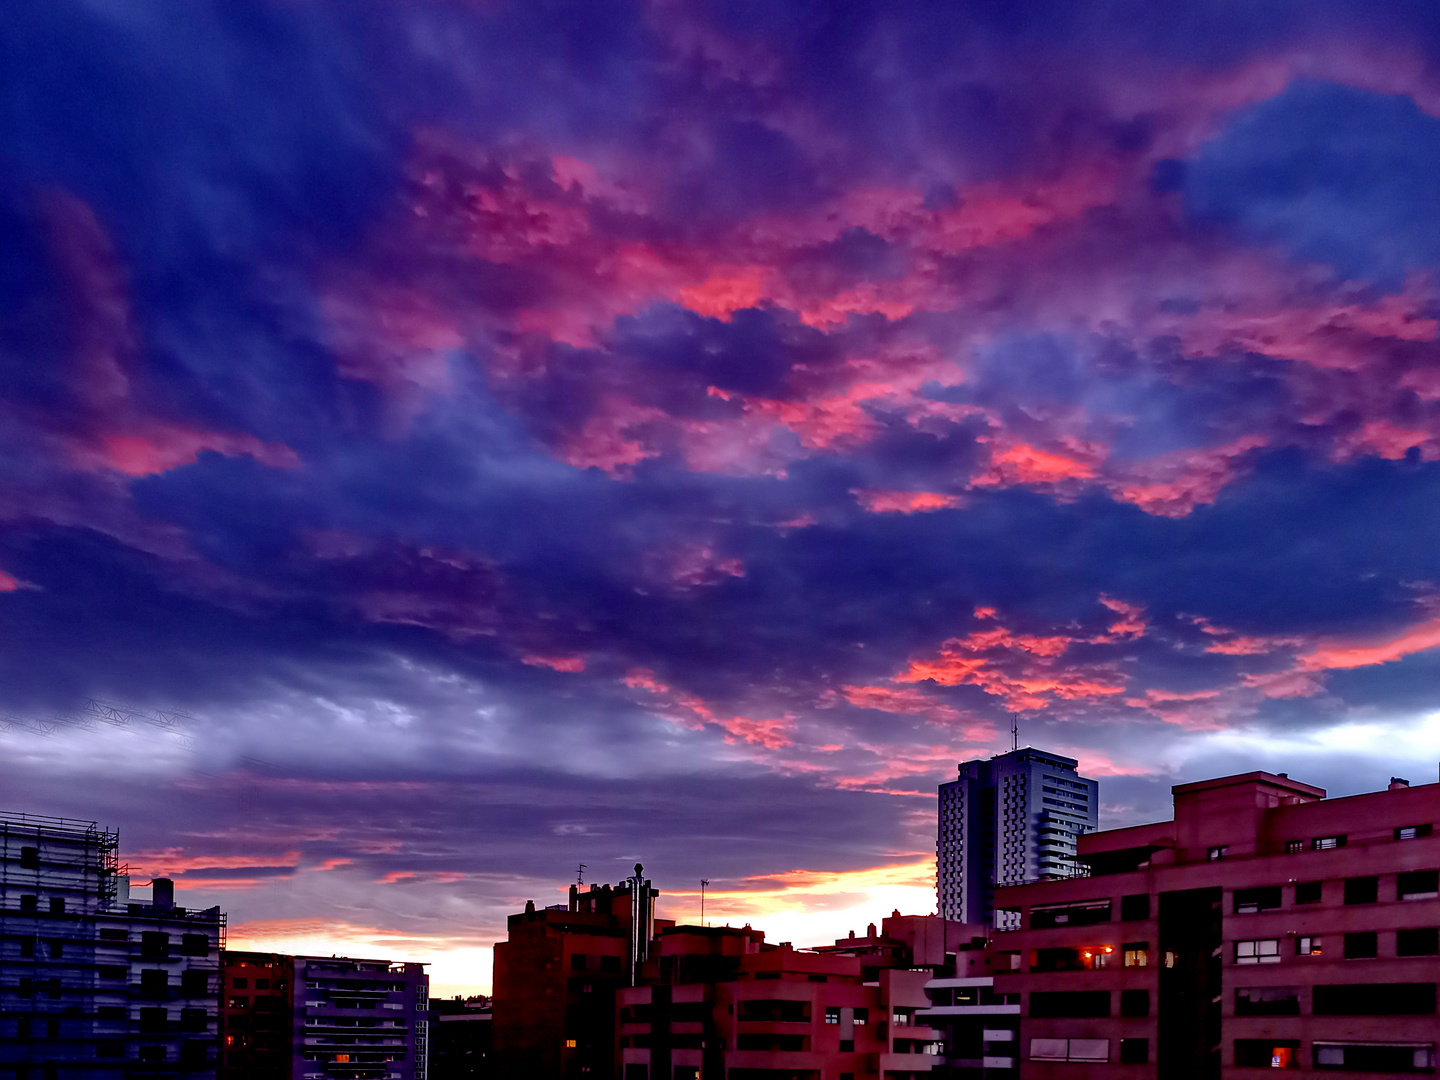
{"x": 446, "y": 442}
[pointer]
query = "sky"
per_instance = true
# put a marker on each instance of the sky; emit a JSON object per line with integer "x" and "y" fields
{"x": 469, "y": 439}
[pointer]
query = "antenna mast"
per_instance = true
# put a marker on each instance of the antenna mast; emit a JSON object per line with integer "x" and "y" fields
{"x": 703, "y": 882}
{"x": 1014, "y": 733}
{"x": 580, "y": 874}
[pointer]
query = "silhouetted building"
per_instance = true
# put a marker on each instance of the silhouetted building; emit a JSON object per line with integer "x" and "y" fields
{"x": 556, "y": 977}
{"x": 1006, "y": 820}
{"x": 1264, "y": 927}
{"x": 257, "y": 1007}
{"x": 91, "y": 983}
{"x": 461, "y": 1038}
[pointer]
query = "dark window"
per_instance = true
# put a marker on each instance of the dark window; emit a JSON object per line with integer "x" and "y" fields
{"x": 1267, "y": 1001}
{"x": 1362, "y": 890}
{"x": 847, "y": 1046}
{"x": 262, "y": 984}
{"x": 1134, "y": 1002}
{"x": 193, "y": 1055}
{"x": 241, "y": 983}
{"x": 1425, "y": 942}
{"x": 30, "y": 858}
{"x": 1375, "y": 999}
{"x": 192, "y": 1019}
{"x": 1084, "y": 914}
{"x": 1135, "y": 907}
{"x": 610, "y": 963}
{"x": 154, "y": 981}
{"x": 1267, "y": 1054}
{"x": 113, "y": 971}
{"x": 114, "y": 935}
{"x": 57, "y": 905}
{"x": 152, "y": 1053}
{"x": 1376, "y": 1057}
{"x": 29, "y": 903}
{"x": 1249, "y": 901}
{"x": 637, "y": 1072}
{"x": 110, "y": 1050}
{"x": 111, "y": 1012}
{"x": 1308, "y": 892}
{"x": 195, "y": 945}
{"x": 1047, "y": 1003}
{"x": 27, "y": 946}
{"x": 577, "y": 961}
{"x": 154, "y": 945}
{"x": 22, "y": 1027}
{"x": 1134, "y": 1051}
{"x": 1362, "y": 946}
{"x": 152, "y": 1020}
{"x": 52, "y": 989}
{"x": 57, "y": 948}
{"x": 1418, "y": 885}
{"x": 1412, "y": 832}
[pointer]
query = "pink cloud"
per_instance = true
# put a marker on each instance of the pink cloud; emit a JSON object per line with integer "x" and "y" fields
{"x": 556, "y": 663}
{"x": 1333, "y": 655}
{"x": 904, "y": 502}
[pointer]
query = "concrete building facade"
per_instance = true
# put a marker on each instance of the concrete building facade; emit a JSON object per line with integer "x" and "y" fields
{"x": 360, "y": 1019}
{"x": 257, "y": 1007}
{"x": 979, "y": 1028}
{"x": 1264, "y": 927}
{"x": 1013, "y": 818}
{"x": 94, "y": 984}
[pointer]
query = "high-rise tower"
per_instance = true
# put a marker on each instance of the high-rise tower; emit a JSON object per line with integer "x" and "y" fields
{"x": 1011, "y": 819}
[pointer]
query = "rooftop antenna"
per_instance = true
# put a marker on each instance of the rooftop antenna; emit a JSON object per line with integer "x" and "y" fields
{"x": 1014, "y": 734}
{"x": 580, "y": 874}
{"x": 703, "y": 882}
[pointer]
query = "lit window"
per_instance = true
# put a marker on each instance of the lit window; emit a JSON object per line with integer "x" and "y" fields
{"x": 1293, "y": 846}
{"x": 1257, "y": 952}
{"x": 569, "y": 1044}
{"x": 1137, "y": 954}
{"x": 1412, "y": 832}
{"x": 1215, "y": 854}
{"x": 1307, "y": 946}
{"x": 1325, "y": 843}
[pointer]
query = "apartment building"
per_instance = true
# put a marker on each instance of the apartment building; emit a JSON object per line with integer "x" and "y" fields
{"x": 1265, "y": 926}
{"x": 257, "y": 1008}
{"x": 360, "y": 1019}
{"x": 721, "y": 1002}
{"x": 556, "y": 976}
{"x": 94, "y": 984}
{"x": 1009, "y": 819}
{"x": 979, "y": 1028}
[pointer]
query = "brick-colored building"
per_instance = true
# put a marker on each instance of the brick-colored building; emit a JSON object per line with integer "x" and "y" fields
{"x": 257, "y": 1006}
{"x": 1264, "y": 927}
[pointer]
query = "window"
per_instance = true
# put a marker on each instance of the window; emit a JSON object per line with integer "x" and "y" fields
{"x": 1294, "y": 846}
{"x": 847, "y": 1046}
{"x": 152, "y": 1053}
{"x": 902, "y": 1015}
{"x": 57, "y": 905}
{"x": 262, "y": 984}
{"x": 1134, "y": 1002}
{"x": 110, "y": 1050}
{"x": 1134, "y": 1051}
{"x": 1267, "y": 1001}
{"x": 1137, "y": 954}
{"x": 1412, "y": 832}
{"x": 862, "y": 1017}
{"x": 114, "y": 935}
{"x": 569, "y": 1044}
{"x": 152, "y": 1020}
{"x": 1307, "y": 946}
{"x": 240, "y": 983}
{"x": 194, "y": 983}
{"x": 1257, "y": 952}
{"x": 1097, "y": 1050}
{"x": 1308, "y": 892}
{"x": 192, "y": 1019}
{"x": 1081, "y": 1003}
{"x": 1362, "y": 890}
{"x": 154, "y": 945}
{"x": 113, "y": 971}
{"x": 1135, "y": 907}
{"x": 1375, "y": 999}
{"x": 154, "y": 981}
{"x": 1215, "y": 854}
{"x": 1376, "y": 1057}
{"x": 27, "y": 947}
{"x": 1250, "y": 901}
{"x": 1087, "y": 913}
{"x": 1417, "y": 942}
{"x": 1361, "y": 946}
{"x": 577, "y": 961}
{"x": 56, "y": 948}
{"x": 1418, "y": 885}
{"x": 1325, "y": 843}
{"x": 30, "y": 858}
{"x": 1267, "y": 1053}
{"x": 28, "y": 903}
{"x": 197, "y": 945}
{"x": 832, "y": 1014}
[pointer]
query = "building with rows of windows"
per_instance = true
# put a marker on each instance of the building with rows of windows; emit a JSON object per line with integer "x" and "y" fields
{"x": 1264, "y": 927}
{"x": 1013, "y": 818}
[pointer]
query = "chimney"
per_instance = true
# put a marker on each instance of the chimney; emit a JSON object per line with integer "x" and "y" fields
{"x": 1396, "y": 783}
{"x": 162, "y": 894}
{"x": 574, "y": 898}
{"x": 529, "y": 907}
{"x": 870, "y": 930}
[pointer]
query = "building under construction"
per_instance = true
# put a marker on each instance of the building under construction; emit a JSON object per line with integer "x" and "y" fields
{"x": 93, "y": 984}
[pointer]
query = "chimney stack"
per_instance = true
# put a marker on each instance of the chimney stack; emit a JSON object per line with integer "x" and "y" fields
{"x": 162, "y": 894}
